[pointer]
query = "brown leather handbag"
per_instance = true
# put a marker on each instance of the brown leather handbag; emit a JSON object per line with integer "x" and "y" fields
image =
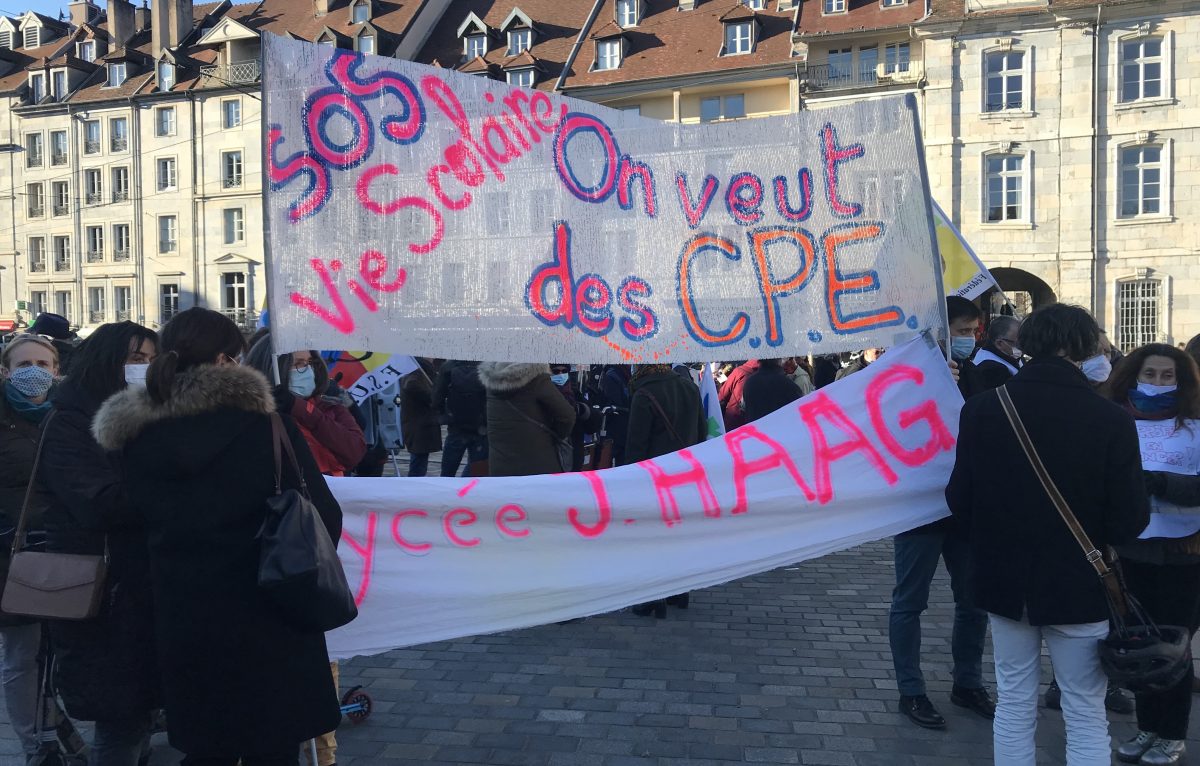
{"x": 58, "y": 586}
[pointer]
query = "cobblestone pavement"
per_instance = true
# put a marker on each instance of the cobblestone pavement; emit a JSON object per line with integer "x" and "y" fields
{"x": 791, "y": 666}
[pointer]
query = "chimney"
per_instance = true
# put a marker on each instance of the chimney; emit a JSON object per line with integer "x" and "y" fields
{"x": 141, "y": 18}
{"x": 170, "y": 23}
{"x": 82, "y": 11}
{"x": 320, "y": 7}
{"x": 121, "y": 25}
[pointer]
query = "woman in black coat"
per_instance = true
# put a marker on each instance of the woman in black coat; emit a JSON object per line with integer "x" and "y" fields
{"x": 767, "y": 390}
{"x": 239, "y": 680}
{"x": 1026, "y": 569}
{"x": 105, "y": 667}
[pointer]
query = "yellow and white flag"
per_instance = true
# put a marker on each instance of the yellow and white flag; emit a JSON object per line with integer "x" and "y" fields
{"x": 962, "y": 271}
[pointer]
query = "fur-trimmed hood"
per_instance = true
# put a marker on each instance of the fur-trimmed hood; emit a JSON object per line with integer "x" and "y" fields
{"x": 509, "y": 376}
{"x": 197, "y": 391}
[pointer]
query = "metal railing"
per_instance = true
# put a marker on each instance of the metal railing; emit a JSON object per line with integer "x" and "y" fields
{"x": 95, "y": 256}
{"x": 121, "y": 195}
{"x": 91, "y": 146}
{"x": 232, "y": 181}
{"x": 62, "y": 208}
{"x": 166, "y": 314}
{"x": 36, "y": 211}
{"x": 123, "y": 316}
{"x": 120, "y": 144}
{"x": 33, "y": 160}
{"x": 246, "y": 319}
{"x": 58, "y": 158}
{"x": 37, "y": 267}
{"x": 62, "y": 264}
{"x": 238, "y": 71}
{"x": 833, "y": 76}
{"x": 96, "y": 317}
{"x": 95, "y": 198}
{"x": 121, "y": 255}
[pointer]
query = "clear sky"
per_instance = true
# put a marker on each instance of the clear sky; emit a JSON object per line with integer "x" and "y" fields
{"x": 49, "y": 8}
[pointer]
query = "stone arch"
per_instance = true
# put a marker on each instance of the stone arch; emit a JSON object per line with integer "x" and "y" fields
{"x": 1026, "y": 291}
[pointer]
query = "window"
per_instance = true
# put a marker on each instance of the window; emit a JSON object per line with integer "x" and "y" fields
{"x": 166, "y": 75}
{"x": 166, "y": 173}
{"x": 60, "y": 196}
{"x": 231, "y": 113}
{"x": 93, "y": 186}
{"x": 1005, "y": 84}
{"x": 737, "y": 38}
{"x": 95, "y": 243}
{"x": 33, "y": 150}
{"x": 95, "y": 304}
{"x": 168, "y": 301}
{"x": 841, "y": 63}
{"x": 116, "y": 74}
{"x": 519, "y": 41}
{"x": 58, "y": 147}
{"x": 892, "y": 3}
{"x": 896, "y": 58}
{"x": 361, "y": 13}
{"x": 521, "y": 77}
{"x": 233, "y": 290}
{"x": 62, "y": 253}
{"x": 608, "y": 54}
{"x": 164, "y": 121}
{"x": 1141, "y": 181}
{"x": 37, "y": 254}
{"x": 37, "y": 87}
{"x": 833, "y": 6}
{"x": 120, "y": 184}
{"x": 1005, "y": 188}
{"x": 32, "y": 37}
{"x": 476, "y": 46}
{"x": 1141, "y": 69}
{"x": 758, "y": 5}
{"x": 366, "y": 44}
{"x": 118, "y": 134}
{"x": 868, "y": 64}
{"x": 60, "y": 85}
{"x": 327, "y": 42}
{"x": 37, "y": 302}
{"x": 167, "y": 232}
{"x": 62, "y": 303}
{"x": 6, "y": 39}
{"x": 1137, "y": 313}
{"x": 123, "y": 302}
{"x": 120, "y": 241}
{"x": 231, "y": 169}
{"x": 627, "y": 13}
{"x": 36, "y": 196}
{"x": 87, "y": 51}
{"x": 235, "y": 225}
{"x": 91, "y": 137}
{"x": 722, "y": 107}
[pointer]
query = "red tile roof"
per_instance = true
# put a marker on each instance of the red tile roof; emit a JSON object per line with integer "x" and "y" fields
{"x": 861, "y": 15}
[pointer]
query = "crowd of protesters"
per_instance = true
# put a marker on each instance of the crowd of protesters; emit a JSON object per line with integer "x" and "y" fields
{"x": 156, "y": 451}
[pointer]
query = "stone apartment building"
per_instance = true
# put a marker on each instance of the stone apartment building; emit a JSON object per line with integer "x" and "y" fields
{"x": 1060, "y": 134}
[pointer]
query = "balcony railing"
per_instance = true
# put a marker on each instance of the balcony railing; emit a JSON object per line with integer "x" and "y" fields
{"x": 95, "y": 198}
{"x": 121, "y": 255}
{"x": 37, "y": 267}
{"x": 62, "y": 208}
{"x": 91, "y": 147}
{"x": 36, "y": 211}
{"x": 62, "y": 264}
{"x": 246, "y": 319}
{"x": 58, "y": 158}
{"x": 120, "y": 144}
{"x": 33, "y": 160}
{"x": 232, "y": 181}
{"x": 95, "y": 256}
{"x": 835, "y": 76}
{"x": 239, "y": 71}
{"x": 96, "y": 317}
{"x": 121, "y": 195}
{"x": 123, "y": 316}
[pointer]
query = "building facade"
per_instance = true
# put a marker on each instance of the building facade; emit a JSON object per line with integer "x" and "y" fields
{"x": 1060, "y": 134}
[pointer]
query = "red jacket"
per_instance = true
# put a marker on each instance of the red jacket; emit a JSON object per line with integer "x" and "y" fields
{"x": 332, "y": 434}
{"x": 730, "y": 395}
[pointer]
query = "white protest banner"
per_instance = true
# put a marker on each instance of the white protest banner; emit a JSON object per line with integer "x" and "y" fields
{"x": 435, "y": 559}
{"x": 1169, "y": 449}
{"x": 419, "y": 210}
{"x": 963, "y": 274}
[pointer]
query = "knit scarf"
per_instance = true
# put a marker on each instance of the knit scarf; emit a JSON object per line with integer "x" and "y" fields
{"x": 21, "y": 405}
{"x": 1158, "y": 407}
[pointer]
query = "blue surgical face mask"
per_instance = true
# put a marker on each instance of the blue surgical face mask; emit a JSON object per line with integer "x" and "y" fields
{"x": 961, "y": 347}
{"x": 303, "y": 382}
{"x": 1149, "y": 389}
{"x": 560, "y": 379}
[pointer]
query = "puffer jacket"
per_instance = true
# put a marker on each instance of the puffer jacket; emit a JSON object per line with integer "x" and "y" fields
{"x": 526, "y": 416}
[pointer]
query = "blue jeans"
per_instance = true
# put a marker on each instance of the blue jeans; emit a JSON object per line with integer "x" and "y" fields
{"x": 418, "y": 463}
{"x": 459, "y": 442}
{"x": 120, "y": 742}
{"x": 917, "y": 554}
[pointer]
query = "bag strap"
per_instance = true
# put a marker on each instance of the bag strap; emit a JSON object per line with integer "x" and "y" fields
{"x": 553, "y": 436}
{"x": 1094, "y": 556}
{"x": 23, "y": 520}
{"x": 666, "y": 420}
{"x": 280, "y": 440}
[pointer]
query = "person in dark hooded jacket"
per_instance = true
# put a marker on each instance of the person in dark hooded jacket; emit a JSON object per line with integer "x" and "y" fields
{"x": 767, "y": 390}
{"x": 105, "y": 668}
{"x": 240, "y": 680}
{"x": 527, "y": 418}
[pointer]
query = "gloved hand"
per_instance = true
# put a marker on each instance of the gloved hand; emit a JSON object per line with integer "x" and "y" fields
{"x": 284, "y": 400}
{"x": 1156, "y": 482}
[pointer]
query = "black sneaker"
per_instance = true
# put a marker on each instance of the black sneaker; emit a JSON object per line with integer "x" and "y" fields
{"x": 976, "y": 700}
{"x": 922, "y": 712}
{"x": 1117, "y": 701}
{"x": 1053, "y": 698}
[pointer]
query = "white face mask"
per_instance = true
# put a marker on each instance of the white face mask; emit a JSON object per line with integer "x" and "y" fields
{"x": 135, "y": 375}
{"x": 302, "y": 383}
{"x": 1149, "y": 389}
{"x": 1097, "y": 369}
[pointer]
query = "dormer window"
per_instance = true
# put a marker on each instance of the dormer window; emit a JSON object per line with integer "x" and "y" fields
{"x": 60, "y": 84}
{"x": 360, "y": 13}
{"x": 523, "y": 78}
{"x": 739, "y": 38}
{"x": 627, "y": 13}
{"x": 328, "y": 42}
{"x": 475, "y": 46}
{"x": 366, "y": 44}
{"x": 37, "y": 87}
{"x": 116, "y": 74}
{"x": 87, "y": 51}
{"x": 756, "y": 5}
{"x": 608, "y": 54}
{"x": 519, "y": 41}
{"x": 166, "y": 75}
{"x": 32, "y": 37}
{"x": 6, "y": 37}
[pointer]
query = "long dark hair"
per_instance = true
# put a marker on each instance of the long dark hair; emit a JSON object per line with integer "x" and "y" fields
{"x": 262, "y": 355}
{"x": 97, "y": 367}
{"x": 192, "y": 338}
{"x": 1187, "y": 378}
